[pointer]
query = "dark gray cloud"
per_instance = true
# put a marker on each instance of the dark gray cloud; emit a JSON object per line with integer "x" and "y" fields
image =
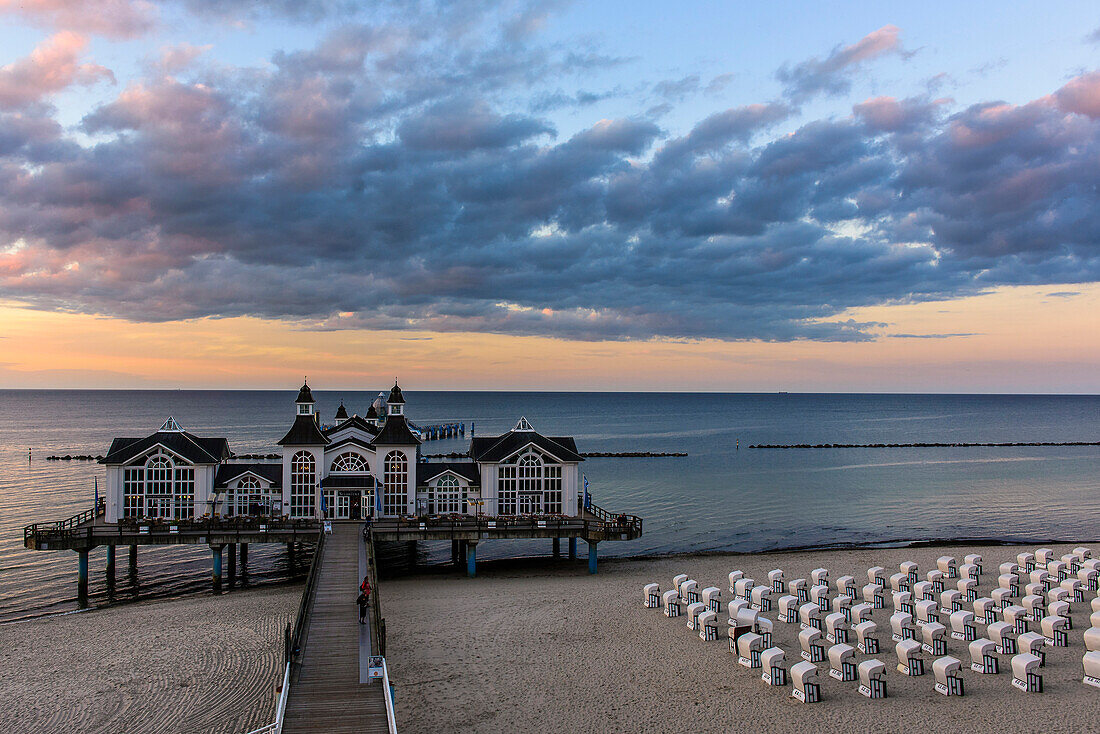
{"x": 384, "y": 180}
{"x": 831, "y": 76}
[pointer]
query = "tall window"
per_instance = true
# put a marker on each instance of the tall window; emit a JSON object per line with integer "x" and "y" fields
{"x": 133, "y": 491}
{"x": 183, "y": 498}
{"x": 395, "y": 484}
{"x": 450, "y": 496}
{"x": 246, "y": 499}
{"x": 303, "y": 480}
{"x": 351, "y": 463}
{"x": 527, "y": 485}
{"x": 158, "y": 487}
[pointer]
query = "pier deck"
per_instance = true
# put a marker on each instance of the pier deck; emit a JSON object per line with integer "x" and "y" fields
{"x": 331, "y": 692}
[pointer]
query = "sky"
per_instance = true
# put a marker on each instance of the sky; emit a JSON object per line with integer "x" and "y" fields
{"x": 851, "y": 196}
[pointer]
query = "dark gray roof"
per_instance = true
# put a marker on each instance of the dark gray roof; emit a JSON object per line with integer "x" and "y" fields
{"x": 192, "y": 448}
{"x": 346, "y": 440}
{"x": 395, "y": 432}
{"x": 341, "y": 413}
{"x": 395, "y": 394}
{"x": 304, "y": 432}
{"x": 497, "y": 448}
{"x": 350, "y": 481}
{"x": 305, "y": 395}
{"x": 228, "y": 472}
{"x": 429, "y": 470}
{"x": 356, "y": 422}
{"x": 372, "y": 412}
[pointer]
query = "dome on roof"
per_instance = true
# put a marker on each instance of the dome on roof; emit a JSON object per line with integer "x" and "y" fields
{"x": 305, "y": 395}
{"x": 341, "y": 413}
{"x": 395, "y": 394}
{"x": 372, "y": 412}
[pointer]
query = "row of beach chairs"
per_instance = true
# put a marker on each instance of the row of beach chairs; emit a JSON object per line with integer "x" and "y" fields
{"x": 1049, "y": 585}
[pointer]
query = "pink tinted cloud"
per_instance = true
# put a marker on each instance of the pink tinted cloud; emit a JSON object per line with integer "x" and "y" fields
{"x": 51, "y": 67}
{"x": 1081, "y": 95}
{"x": 112, "y": 18}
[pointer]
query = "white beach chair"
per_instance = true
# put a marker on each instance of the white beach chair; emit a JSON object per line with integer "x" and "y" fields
{"x": 969, "y": 571}
{"x": 910, "y": 569}
{"x": 935, "y": 638}
{"x": 1075, "y": 589}
{"x": 902, "y": 627}
{"x": 712, "y": 597}
{"x": 876, "y": 575}
{"x": 1094, "y": 618}
{"x": 1016, "y": 616}
{"x": 749, "y": 648}
{"x": 935, "y": 578}
{"x": 797, "y": 588}
{"x": 973, "y": 559}
{"x": 734, "y": 633}
{"x": 950, "y": 601}
{"x": 805, "y": 682}
{"x": 1043, "y": 556}
{"x": 735, "y": 606}
{"x": 899, "y": 582}
{"x": 1073, "y": 564}
{"x": 903, "y": 602}
{"x": 842, "y": 662}
{"x": 819, "y": 576}
{"x": 926, "y": 612}
{"x": 693, "y": 611}
{"x": 775, "y": 577}
{"x": 1060, "y": 609}
{"x": 1088, "y": 578}
{"x": 874, "y": 595}
{"x": 1055, "y": 630}
{"x": 1025, "y": 673}
{"x": 746, "y": 618}
{"x": 1009, "y": 567}
{"x": 708, "y": 625}
{"x": 810, "y": 615}
{"x": 1082, "y": 553}
{"x": 872, "y": 679}
{"x": 1035, "y": 589}
{"x": 983, "y": 656}
{"x": 923, "y": 590}
{"x": 1092, "y": 639}
{"x": 1041, "y": 576}
{"x": 910, "y": 659}
{"x": 843, "y": 604}
{"x": 1060, "y": 592}
{"x": 773, "y": 661}
{"x": 677, "y": 580}
{"x": 1004, "y": 636}
{"x": 867, "y": 637}
{"x": 1009, "y": 581}
{"x": 788, "y": 609}
{"x": 743, "y": 588}
{"x": 962, "y": 626}
{"x": 1058, "y": 570}
{"x": 1002, "y": 597}
{"x": 672, "y": 603}
{"x": 761, "y": 598}
{"x": 985, "y": 610}
{"x": 836, "y": 628}
{"x": 860, "y": 613}
{"x": 763, "y": 627}
{"x": 946, "y": 565}
{"x": 968, "y": 588}
{"x": 734, "y": 577}
{"x": 846, "y": 586}
{"x": 819, "y": 595}
{"x": 689, "y": 591}
{"x": 651, "y": 594}
{"x": 812, "y": 644}
{"x": 1026, "y": 561}
{"x": 1035, "y": 605}
{"x": 1091, "y": 663}
{"x": 948, "y": 681}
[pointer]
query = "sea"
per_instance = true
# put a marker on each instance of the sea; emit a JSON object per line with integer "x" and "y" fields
{"x": 722, "y": 496}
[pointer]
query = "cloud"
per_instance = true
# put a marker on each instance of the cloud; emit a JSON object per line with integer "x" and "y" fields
{"x": 1081, "y": 95}
{"x": 51, "y": 67}
{"x": 832, "y": 75}
{"x": 383, "y": 179}
{"x": 119, "y": 19}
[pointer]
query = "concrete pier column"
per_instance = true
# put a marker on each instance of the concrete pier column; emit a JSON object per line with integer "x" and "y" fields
{"x": 573, "y": 548}
{"x": 471, "y": 558}
{"x": 244, "y": 555}
{"x": 557, "y": 547}
{"x": 592, "y": 556}
{"x": 232, "y": 548}
{"x": 454, "y": 551}
{"x": 133, "y": 558}
{"x": 216, "y": 552}
{"x": 110, "y": 565}
{"x": 82, "y": 572}
{"x": 461, "y": 552}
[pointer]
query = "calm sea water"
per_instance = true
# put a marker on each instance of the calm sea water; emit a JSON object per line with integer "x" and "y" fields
{"x": 718, "y": 498}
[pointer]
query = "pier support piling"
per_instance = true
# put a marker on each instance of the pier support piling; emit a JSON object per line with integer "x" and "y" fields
{"x": 82, "y": 572}
{"x": 133, "y": 559}
{"x": 557, "y": 547}
{"x": 471, "y": 558}
{"x": 244, "y": 555}
{"x": 110, "y": 565}
{"x": 410, "y": 554}
{"x": 454, "y": 552}
{"x": 216, "y": 552}
{"x": 592, "y": 556}
{"x": 573, "y": 548}
{"x": 232, "y": 561}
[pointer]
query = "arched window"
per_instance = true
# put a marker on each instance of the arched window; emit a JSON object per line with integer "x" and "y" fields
{"x": 395, "y": 482}
{"x": 529, "y": 485}
{"x": 351, "y": 463}
{"x": 303, "y": 485}
{"x": 450, "y": 496}
{"x": 158, "y": 486}
{"x": 246, "y": 499}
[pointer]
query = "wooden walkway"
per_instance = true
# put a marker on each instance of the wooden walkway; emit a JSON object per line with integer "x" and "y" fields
{"x": 327, "y": 695}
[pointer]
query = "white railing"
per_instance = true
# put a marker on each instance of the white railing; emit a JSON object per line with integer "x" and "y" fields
{"x": 280, "y": 709}
{"x": 391, "y": 720}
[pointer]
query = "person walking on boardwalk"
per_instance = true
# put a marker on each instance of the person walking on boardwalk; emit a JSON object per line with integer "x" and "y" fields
{"x": 365, "y": 586}
{"x": 362, "y": 602}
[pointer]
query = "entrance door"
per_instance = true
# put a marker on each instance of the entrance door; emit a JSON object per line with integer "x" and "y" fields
{"x": 530, "y": 503}
{"x": 343, "y": 507}
{"x": 356, "y": 506}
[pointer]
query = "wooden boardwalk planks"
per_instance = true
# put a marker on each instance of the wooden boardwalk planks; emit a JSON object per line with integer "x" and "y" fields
{"x": 327, "y": 696}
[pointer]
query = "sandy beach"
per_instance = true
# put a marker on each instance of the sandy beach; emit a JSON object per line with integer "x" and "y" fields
{"x": 537, "y": 648}
{"x": 199, "y": 664}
